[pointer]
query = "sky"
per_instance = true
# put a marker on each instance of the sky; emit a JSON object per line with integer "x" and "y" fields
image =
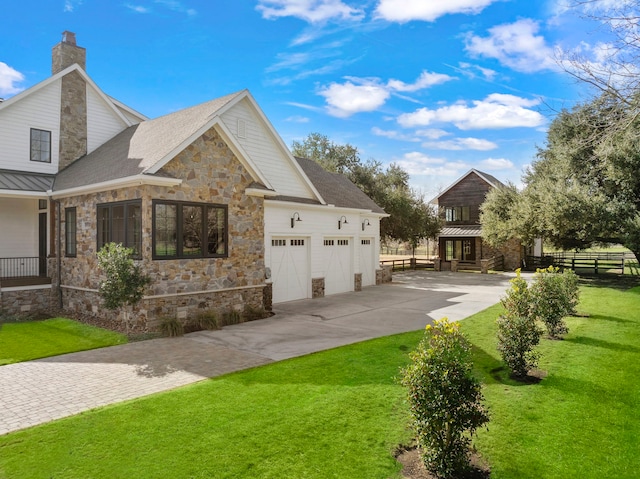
{"x": 435, "y": 86}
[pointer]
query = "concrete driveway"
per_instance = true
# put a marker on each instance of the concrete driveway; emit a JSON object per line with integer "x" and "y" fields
{"x": 39, "y": 391}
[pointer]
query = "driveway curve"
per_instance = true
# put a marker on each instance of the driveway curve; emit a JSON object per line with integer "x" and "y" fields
{"x": 35, "y": 392}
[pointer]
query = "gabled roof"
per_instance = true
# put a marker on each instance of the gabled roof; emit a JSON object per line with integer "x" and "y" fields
{"x": 335, "y": 188}
{"x": 143, "y": 149}
{"x": 489, "y": 179}
{"x": 60, "y": 74}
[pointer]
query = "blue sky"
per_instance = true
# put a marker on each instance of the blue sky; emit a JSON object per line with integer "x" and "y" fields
{"x": 437, "y": 86}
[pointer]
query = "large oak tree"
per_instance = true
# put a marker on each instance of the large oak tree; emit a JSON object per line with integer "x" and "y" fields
{"x": 411, "y": 218}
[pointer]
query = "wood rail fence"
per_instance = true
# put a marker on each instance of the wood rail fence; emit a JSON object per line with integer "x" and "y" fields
{"x": 408, "y": 264}
{"x": 595, "y": 263}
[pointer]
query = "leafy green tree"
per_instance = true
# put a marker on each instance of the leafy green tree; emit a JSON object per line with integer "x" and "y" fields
{"x": 554, "y": 296}
{"x": 411, "y": 218}
{"x": 518, "y": 334}
{"x": 445, "y": 398}
{"x": 583, "y": 189}
{"x": 125, "y": 282}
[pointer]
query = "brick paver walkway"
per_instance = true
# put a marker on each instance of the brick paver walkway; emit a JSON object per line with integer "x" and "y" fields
{"x": 35, "y": 392}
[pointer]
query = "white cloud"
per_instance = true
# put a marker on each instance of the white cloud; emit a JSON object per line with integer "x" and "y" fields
{"x": 393, "y": 134}
{"x": 368, "y": 94}
{"x": 496, "y": 164}
{"x": 297, "y": 119}
{"x": 469, "y": 70}
{"x": 137, "y": 8}
{"x": 416, "y": 163}
{"x": 461, "y": 144}
{"x": 70, "y": 5}
{"x": 515, "y": 45}
{"x": 428, "y": 10}
{"x": 312, "y": 11}
{"x": 9, "y": 80}
{"x": 425, "y": 80}
{"x": 345, "y": 99}
{"x": 494, "y": 112}
{"x": 432, "y": 133}
{"x": 177, "y": 6}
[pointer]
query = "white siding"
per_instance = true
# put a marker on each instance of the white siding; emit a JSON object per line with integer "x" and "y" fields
{"x": 41, "y": 110}
{"x": 265, "y": 152}
{"x": 102, "y": 122}
{"x": 19, "y": 231}
{"x": 318, "y": 224}
{"x": 132, "y": 118}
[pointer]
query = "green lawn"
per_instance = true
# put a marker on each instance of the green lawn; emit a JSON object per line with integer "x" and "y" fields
{"x": 341, "y": 413}
{"x": 23, "y": 341}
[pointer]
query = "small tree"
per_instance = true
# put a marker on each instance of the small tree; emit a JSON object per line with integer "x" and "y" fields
{"x": 518, "y": 334}
{"x": 445, "y": 398}
{"x": 125, "y": 282}
{"x": 554, "y": 296}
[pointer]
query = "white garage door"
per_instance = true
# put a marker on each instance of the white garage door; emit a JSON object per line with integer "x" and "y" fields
{"x": 367, "y": 261}
{"x": 290, "y": 269}
{"x": 337, "y": 259}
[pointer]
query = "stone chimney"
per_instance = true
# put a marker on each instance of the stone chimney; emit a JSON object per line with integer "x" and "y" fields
{"x": 73, "y": 103}
{"x": 66, "y": 53}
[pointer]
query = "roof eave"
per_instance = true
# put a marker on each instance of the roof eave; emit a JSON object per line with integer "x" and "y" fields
{"x": 23, "y": 194}
{"x": 125, "y": 182}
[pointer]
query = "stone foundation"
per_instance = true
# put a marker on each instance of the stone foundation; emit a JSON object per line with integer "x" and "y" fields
{"x": 27, "y": 302}
{"x": 384, "y": 274}
{"x": 317, "y": 287}
{"x": 267, "y": 297}
{"x": 357, "y": 282}
{"x": 149, "y": 312}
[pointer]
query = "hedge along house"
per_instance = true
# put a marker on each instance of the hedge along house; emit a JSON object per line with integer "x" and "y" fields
{"x": 203, "y": 196}
{"x": 460, "y": 239}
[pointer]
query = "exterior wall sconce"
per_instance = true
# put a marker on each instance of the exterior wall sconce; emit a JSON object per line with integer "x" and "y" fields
{"x": 294, "y": 218}
{"x": 365, "y": 223}
{"x": 342, "y": 221}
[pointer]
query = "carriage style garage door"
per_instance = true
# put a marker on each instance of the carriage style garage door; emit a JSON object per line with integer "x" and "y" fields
{"x": 367, "y": 262}
{"x": 290, "y": 269}
{"x": 337, "y": 260}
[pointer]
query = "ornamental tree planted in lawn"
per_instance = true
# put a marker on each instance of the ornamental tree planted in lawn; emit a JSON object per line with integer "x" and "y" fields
{"x": 445, "y": 398}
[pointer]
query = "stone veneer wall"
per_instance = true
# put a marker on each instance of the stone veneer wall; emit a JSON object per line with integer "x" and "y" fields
{"x": 211, "y": 174}
{"x": 357, "y": 282}
{"x": 512, "y": 250}
{"x": 317, "y": 287}
{"x": 385, "y": 274}
{"x": 26, "y": 302}
{"x": 73, "y": 119}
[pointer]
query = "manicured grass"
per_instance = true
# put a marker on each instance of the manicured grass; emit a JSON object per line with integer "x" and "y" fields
{"x": 23, "y": 341}
{"x": 581, "y": 420}
{"x": 341, "y": 413}
{"x": 335, "y": 414}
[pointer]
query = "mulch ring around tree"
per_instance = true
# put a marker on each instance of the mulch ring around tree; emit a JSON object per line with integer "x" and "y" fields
{"x": 413, "y": 467}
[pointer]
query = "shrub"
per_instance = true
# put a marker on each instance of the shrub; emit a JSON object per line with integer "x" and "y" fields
{"x": 251, "y": 313}
{"x": 124, "y": 283}
{"x": 205, "y": 320}
{"x": 171, "y": 327}
{"x": 518, "y": 334}
{"x": 554, "y": 296}
{"x": 231, "y": 317}
{"x": 445, "y": 398}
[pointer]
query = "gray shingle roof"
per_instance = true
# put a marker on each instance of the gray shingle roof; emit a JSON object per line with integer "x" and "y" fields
{"x": 22, "y": 181}
{"x": 337, "y": 189}
{"x": 138, "y": 148}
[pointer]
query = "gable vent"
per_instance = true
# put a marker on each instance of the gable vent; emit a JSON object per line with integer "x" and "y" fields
{"x": 242, "y": 128}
